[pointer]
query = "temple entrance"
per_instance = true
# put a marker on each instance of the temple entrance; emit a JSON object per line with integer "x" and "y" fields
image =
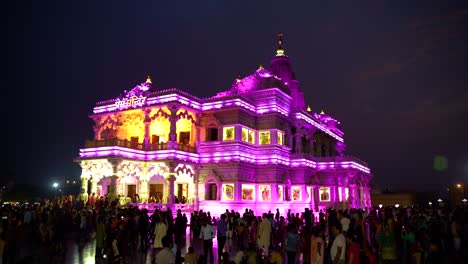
{"x": 156, "y": 192}
{"x": 212, "y": 193}
{"x": 182, "y": 192}
{"x": 131, "y": 191}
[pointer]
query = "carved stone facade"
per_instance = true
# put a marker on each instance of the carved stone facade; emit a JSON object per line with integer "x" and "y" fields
{"x": 253, "y": 146}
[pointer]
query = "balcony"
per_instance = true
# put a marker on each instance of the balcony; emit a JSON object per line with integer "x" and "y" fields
{"x": 113, "y": 142}
{"x": 328, "y": 159}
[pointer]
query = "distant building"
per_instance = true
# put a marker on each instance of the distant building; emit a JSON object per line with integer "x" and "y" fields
{"x": 256, "y": 146}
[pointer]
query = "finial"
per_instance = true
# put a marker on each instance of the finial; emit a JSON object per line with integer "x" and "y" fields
{"x": 308, "y": 108}
{"x": 238, "y": 80}
{"x": 148, "y": 79}
{"x": 280, "y": 49}
{"x": 322, "y": 112}
{"x": 260, "y": 67}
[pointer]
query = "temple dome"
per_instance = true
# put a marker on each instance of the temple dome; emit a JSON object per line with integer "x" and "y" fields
{"x": 261, "y": 79}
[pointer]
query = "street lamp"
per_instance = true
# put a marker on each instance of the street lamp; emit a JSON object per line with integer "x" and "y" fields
{"x": 430, "y": 203}
{"x": 458, "y": 185}
{"x": 380, "y": 206}
{"x": 397, "y": 205}
{"x": 439, "y": 200}
{"x": 55, "y": 185}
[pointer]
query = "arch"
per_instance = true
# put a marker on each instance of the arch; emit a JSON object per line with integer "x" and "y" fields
{"x": 160, "y": 113}
{"x": 210, "y": 180}
{"x": 184, "y": 114}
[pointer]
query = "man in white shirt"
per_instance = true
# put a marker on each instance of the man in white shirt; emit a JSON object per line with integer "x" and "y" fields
{"x": 338, "y": 249}
{"x": 166, "y": 256}
{"x": 207, "y": 233}
{"x": 344, "y": 222}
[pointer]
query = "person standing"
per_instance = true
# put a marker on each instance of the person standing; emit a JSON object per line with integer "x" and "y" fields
{"x": 207, "y": 234}
{"x": 293, "y": 241}
{"x": 100, "y": 236}
{"x": 221, "y": 235}
{"x": 160, "y": 230}
{"x": 264, "y": 234}
{"x": 166, "y": 256}
{"x": 338, "y": 249}
{"x": 317, "y": 246}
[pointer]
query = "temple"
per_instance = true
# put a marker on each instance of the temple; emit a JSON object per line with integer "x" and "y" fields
{"x": 256, "y": 145}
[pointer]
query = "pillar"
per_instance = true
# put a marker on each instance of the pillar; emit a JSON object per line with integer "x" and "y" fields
{"x": 112, "y": 191}
{"x": 84, "y": 188}
{"x": 196, "y": 199}
{"x": 274, "y": 137}
{"x": 171, "y": 177}
{"x": 173, "y": 127}
{"x": 237, "y": 133}
{"x": 312, "y": 198}
{"x": 143, "y": 191}
{"x": 274, "y": 193}
{"x": 94, "y": 182}
{"x": 298, "y": 147}
{"x": 197, "y": 134}
{"x": 147, "y": 122}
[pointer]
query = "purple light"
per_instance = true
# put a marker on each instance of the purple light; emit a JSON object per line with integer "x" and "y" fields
{"x": 319, "y": 126}
{"x": 251, "y": 156}
{"x": 162, "y": 99}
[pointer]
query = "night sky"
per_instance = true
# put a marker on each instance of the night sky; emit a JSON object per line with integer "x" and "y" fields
{"x": 393, "y": 72}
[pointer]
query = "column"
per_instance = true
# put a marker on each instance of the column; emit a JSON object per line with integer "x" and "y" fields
{"x": 369, "y": 200}
{"x": 298, "y": 147}
{"x": 171, "y": 177}
{"x": 112, "y": 192}
{"x": 197, "y": 133}
{"x": 196, "y": 200}
{"x": 146, "y": 140}
{"x": 84, "y": 188}
{"x": 304, "y": 193}
{"x": 94, "y": 182}
{"x": 172, "y": 143}
{"x": 237, "y": 133}
{"x": 171, "y": 198}
{"x": 274, "y": 137}
{"x": 274, "y": 193}
{"x": 312, "y": 198}
{"x": 336, "y": 198}
{"x": 143, "y": 190}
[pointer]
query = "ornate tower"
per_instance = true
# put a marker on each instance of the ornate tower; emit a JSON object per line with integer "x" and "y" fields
{"x": 280, "y": 66}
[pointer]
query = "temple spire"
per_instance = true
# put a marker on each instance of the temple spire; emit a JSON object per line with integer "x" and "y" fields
{"x": 280, "y": 49}
{"x": 148, "y": 79}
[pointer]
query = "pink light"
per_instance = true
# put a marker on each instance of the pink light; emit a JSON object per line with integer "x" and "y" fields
{"x": 319, "y": 126}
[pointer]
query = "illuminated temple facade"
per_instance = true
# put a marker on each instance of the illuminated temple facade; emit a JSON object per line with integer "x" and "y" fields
{"x": 256, "y": 145}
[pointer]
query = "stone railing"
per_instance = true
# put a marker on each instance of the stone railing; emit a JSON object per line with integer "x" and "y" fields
{"x": 134, "y": 145}
{"x": 327, "y": 159}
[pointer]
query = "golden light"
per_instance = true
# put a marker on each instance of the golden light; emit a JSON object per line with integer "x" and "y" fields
{"x": 458, "y": 185}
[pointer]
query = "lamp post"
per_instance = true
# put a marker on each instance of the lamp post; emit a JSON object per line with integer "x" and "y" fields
{"x": 55, "y": 185}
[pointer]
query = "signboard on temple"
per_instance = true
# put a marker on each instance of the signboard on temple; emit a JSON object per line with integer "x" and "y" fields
{"x": 228, "y": 192}
{"x": 131, "y": 102}
{"x": 324, "y": 194}
{"x": 248, "y": 192}
{"x": 280, "y": 192}
{"x": 296, "y": 193}
{"x": 265, "y": 192}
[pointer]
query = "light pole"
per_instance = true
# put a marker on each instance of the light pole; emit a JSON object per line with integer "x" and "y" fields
{"x": 55, "y": 185}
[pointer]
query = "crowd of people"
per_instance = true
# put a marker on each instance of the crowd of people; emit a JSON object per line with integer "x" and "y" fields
{"x": 379, "y": 235}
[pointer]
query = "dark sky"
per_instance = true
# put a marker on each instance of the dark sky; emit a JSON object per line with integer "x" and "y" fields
{"x": 393, "y": 72}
